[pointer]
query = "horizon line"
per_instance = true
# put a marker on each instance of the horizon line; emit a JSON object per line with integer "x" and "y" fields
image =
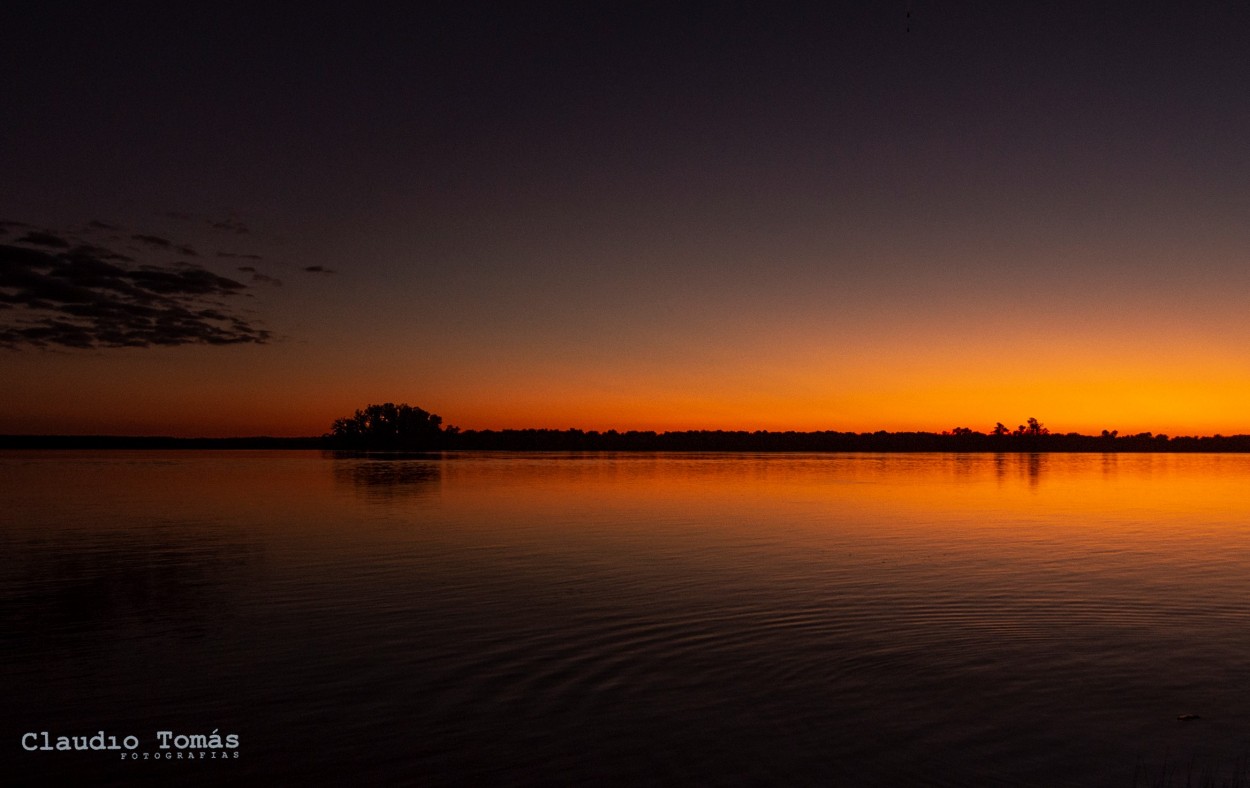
{"x": 451, "y": 431}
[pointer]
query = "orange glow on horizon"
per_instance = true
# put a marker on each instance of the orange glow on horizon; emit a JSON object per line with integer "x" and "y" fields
{"x": 794, "y": 375}
{"x": 1087, "y": 407}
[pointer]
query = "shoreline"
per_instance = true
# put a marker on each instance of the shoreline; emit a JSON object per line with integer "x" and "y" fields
{"x": 667, "y": 442}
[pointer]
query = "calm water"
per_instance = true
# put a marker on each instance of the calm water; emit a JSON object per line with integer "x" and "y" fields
{"x": 856, "y": 620}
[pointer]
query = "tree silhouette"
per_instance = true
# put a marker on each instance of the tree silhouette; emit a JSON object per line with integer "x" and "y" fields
{"x": 389, "y": 426}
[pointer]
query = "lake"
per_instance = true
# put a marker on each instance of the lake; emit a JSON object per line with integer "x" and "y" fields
{"x": 711, "y": 619}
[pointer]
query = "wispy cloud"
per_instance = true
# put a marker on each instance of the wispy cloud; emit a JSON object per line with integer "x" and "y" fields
{"x": 154, "y": 241}
{"x": 230, "y": 225}
{"x": 87, "y": 296}
{"x": 39, "y": 238}
{"x": 5, "y": 226}
{"x": 260, "y": 278}
{"x": 318, "y": 269}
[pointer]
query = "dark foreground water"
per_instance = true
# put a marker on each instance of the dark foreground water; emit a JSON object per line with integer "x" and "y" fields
{"x": 489, "y": 619}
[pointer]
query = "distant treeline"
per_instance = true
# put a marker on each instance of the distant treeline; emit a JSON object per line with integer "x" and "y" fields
{"x": 404, "y": 427}
{"x": 764, "y": 441}
{"x": 391, "y": 427}
{"x": 691, "y": 440}
{"x": 154, "y": 442}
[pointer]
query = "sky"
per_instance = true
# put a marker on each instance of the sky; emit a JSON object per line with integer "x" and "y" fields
{"x": 253, "y": 219}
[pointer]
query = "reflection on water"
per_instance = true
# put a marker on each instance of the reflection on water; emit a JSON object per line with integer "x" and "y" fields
{"x": 377, "y": 477}
{"x": 715, "y": 619}
{"x": 169, "y": 582}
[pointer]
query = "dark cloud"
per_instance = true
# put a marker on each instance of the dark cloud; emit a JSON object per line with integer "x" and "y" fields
{"x": 103, "y": 254}
{"x": 179, "y": 215}
{"x": 184, "y": 281}
{"x": 230, "y": 225}
{"x": 40, "y": 238}
{"x": 188, "y": 251}
{"x": 235, "y": 256}
{"x": 260, "y": 278}
{"x": 7, "y": 226}
{"x": 90, "y": 297}
{"x": 154, "y": 241}
{"x": 319, "y": 269}
{"x": 98, "y": 225}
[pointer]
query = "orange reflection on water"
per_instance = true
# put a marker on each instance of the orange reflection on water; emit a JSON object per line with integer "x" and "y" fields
{"x": 1081, "y": 500}
{"x": 1157, "y": 503}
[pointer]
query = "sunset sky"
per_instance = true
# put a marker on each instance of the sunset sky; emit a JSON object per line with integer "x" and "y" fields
{"x": 253, "y": 219}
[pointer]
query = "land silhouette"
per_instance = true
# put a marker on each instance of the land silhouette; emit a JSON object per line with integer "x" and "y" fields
{"x": 389, "y": 427}
{"x": 404, "y": 427}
